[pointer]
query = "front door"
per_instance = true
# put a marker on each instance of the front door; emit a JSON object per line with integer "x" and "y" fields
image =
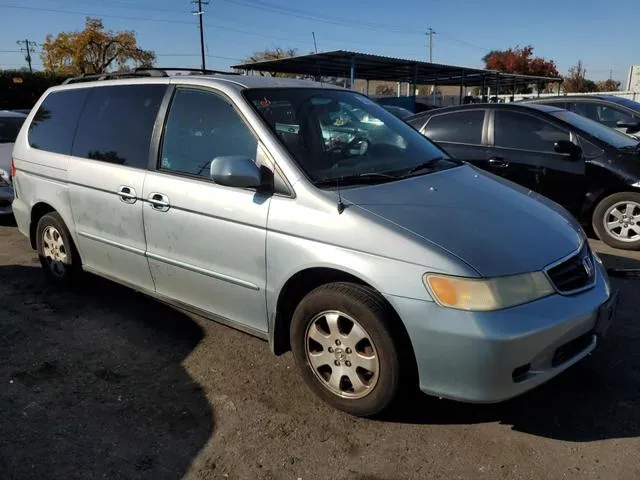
{"x": 522, "y": 151}
{"x": 206, "y": 242}
{"x": 106, "y": 179}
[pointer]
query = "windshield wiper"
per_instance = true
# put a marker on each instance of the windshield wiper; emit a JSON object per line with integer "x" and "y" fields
{"x": 428, "y": 165}
{"x": 370, "y": 178}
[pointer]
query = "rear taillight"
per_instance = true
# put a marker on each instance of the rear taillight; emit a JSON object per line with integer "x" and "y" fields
{"x": 13, "y": 169}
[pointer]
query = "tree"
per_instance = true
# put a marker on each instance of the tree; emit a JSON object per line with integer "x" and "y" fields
{"x": 273, "y": 54}
{"x": 93, "y": 50}
{"x": 577, "y": 81}
{"x": 608, "y": 85}
{"x": 521, "y": 61}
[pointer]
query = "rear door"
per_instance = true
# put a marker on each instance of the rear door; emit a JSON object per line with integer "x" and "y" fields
{"x": 106, "y": 179}
{"x": 460, "y": 133}
{"x": 522, "y": 150}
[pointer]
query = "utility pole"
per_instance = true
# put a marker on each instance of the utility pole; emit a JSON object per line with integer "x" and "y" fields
{"x": 29, "y": 46}
{"x": 430, "y": 33}
{"x": 200, "y": 14}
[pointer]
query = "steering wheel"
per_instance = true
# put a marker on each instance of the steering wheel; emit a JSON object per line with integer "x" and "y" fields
{"x": 345, "y": 151}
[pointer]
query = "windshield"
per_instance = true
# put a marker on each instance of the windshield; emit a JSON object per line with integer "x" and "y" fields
{"x": 626, "y": 102}
{"x": 9, "y": 128}
{"x": 605, "y": 134}
{"x": 335, "y": 135}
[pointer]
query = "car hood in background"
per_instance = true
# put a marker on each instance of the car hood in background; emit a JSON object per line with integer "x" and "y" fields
{"x": 494, "y": 226}
{"x": 6, "y": 150}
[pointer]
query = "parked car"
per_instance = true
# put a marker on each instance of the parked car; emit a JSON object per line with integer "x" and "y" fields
{"x": 10, "y": 123}
{"x": 591, "y": 170}
{"x": 620, "y": 113}
{"x": 380, "y": 263}
{"x": 24, "y": 111}
{"x": 399, "y": 112}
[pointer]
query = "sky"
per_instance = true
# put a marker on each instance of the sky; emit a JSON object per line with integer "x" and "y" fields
{"x": 604, "y": 38}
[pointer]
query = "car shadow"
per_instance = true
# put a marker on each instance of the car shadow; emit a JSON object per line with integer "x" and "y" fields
{"x": 7, "y": 221}
{"x": 93, "y": 384}
{"x": 595, "y": 399}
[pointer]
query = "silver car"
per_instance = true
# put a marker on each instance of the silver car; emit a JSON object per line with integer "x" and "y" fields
{"x": 380, "y": 262}
{"x": 10, "y": 123}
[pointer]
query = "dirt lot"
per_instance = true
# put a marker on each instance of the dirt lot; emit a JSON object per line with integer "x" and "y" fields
{"x": 105, "y": 383}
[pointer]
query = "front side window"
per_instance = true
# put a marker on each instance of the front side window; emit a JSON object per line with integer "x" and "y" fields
{"x": 456, "y": 127}
{"x": 201, "y": 126}
{"x": 54, "y": 124}
{"x": 9, "y": 128}
{"x": 597, "y": 130}
{"x": 526, "y": 132}
{"x": 117, "y": 123}
{"x": 341, "y": 135}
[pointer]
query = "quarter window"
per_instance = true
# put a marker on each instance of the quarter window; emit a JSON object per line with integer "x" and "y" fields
{"x": 458, "y": 127}
{"x": 526, "y": 132}
{"x": 54, "y": 124}
{"x": 200, "y": 127}
{"x": 117, "y": 123}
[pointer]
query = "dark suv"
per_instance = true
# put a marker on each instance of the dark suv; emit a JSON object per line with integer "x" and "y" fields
{"x": 591, "y": 170}
{"x": 611, "y": 111}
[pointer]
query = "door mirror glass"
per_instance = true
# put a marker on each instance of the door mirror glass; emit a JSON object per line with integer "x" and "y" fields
{"x": 568, "y": 148}
{"x": 235, "y": 171}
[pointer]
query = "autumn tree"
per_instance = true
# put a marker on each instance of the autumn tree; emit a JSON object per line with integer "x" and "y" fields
{"x": 272, "y": 54}
{"x": 521, "y": 61}
{"x": 93, "y": 50}
{"x": 608, "y": 85}
{"x": 577, "y": 81}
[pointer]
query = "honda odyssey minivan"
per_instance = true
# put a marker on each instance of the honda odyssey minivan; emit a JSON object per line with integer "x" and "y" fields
{"x": 379, "y": 261}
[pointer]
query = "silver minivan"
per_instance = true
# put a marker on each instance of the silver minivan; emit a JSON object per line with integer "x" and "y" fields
{"x": 311, "y": 217}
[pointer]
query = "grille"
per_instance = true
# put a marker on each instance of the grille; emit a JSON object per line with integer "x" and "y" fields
{"x": 575, "y": 273}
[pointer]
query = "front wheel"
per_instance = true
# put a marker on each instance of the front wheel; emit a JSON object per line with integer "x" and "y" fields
{"x": 58, "y": 256}
{"x": 343, "y": 345}
{"x": 616, "y": 220}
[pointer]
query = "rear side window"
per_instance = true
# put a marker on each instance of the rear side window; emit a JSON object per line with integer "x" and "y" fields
{"x": 54, "y": 124}
{"x": 117, "y": 123}
{"x": 457, "y": 127}
{"x": 526, "y": 132}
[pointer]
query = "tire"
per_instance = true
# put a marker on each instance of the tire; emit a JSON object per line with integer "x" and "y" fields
{"x": 616, "y": 215}
{"x": 57, "y": 252}
{"x": 372, "y": 366}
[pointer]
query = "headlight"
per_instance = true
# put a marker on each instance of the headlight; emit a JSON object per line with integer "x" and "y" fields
{"x": 487, "y": 294}
{"x": 4, "y": 178}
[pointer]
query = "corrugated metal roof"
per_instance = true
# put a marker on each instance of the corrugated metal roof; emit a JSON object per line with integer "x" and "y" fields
{"x": 376, "y": 67}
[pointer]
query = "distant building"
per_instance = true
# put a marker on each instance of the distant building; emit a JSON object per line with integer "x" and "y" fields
{"x": 633, "y": 81}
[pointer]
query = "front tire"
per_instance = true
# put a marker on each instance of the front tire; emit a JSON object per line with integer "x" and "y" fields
{"x": 56, "y": 250}
{"x": 344, "y": 347}
{"x": 616, "y": 220}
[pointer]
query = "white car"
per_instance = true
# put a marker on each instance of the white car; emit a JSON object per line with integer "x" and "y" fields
{"x": 10, "y": 123}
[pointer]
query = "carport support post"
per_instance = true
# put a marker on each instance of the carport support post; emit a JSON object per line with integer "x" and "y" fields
{"x": 461, "y": 87}
{"x": 539, "y": 90}
{"x": 484, "y": 87}
{"x": 366, "y": 82}
{"x": 497, "y": 87}
{"x": 352, "y": 79}
{"x": 513, "y": 94}
{"x": 435, "y": 89}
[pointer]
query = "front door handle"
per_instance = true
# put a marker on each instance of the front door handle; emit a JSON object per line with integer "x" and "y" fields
{"x": 159, "y": 202}
{"x": 127, "y": 194}
{"x": 498, "y": 162}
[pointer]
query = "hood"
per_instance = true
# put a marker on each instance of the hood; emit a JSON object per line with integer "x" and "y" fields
{"x": 493, "y": 225}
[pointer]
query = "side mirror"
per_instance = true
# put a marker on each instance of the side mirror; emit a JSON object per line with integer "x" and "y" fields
{"x": 568, "y": 148}
{"x": 632, "y": 126}
{"x": 235, "y": 171}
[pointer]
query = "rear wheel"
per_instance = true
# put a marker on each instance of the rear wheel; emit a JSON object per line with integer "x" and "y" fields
{"x": 343, "y": 345}
{"x": 57, "y": 253}
{"x": 616, "y": 220}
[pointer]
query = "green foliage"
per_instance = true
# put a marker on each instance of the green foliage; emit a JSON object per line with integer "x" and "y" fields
{"x": 15, "y": 95}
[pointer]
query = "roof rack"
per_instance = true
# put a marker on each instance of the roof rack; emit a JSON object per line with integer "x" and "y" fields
{"x": 144, "y": 72}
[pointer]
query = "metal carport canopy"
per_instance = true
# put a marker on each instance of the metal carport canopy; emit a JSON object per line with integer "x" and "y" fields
{"x": 341, "y": 63}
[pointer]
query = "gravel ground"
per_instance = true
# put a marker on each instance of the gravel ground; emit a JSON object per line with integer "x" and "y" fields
{"x": 102, "y": 382}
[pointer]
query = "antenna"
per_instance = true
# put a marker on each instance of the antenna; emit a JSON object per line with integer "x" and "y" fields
{"x": 341, "y": 206}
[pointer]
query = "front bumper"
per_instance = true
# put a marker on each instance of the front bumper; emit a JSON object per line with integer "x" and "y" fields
{"x": 488, "y": 357}
{"x": 6, "y": 198}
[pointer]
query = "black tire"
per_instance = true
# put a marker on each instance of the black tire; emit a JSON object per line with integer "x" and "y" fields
{"x": 66, "y": 272}
{"x": 601, "y": 215}
{"x": 374, "y": 316}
